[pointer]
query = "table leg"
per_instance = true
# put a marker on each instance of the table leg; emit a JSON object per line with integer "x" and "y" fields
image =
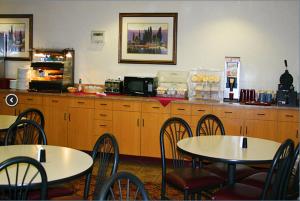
{"x": 231, "y": 173}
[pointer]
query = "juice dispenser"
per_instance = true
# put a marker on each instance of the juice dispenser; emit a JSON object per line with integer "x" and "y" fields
{"x": 232, "y": 79}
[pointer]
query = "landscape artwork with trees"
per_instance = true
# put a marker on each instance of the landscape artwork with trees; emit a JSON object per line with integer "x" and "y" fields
{"x": 147, "y": 38}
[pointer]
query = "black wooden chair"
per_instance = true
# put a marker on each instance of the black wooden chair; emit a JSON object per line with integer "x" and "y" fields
{"x": 25, "y": 132}
{"x": 34, "y": 115}
{"x": 211, "y": 125}
{"x": 105, "y": 155}
{"x": 274, "y": 186}
{"x": 122, "y": 186}
{"x": 27, "y": 169}
{"x": 182, "y": 173}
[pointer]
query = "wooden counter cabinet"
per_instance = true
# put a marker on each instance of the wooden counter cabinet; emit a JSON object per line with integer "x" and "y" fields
{"x": 288, "y": 125}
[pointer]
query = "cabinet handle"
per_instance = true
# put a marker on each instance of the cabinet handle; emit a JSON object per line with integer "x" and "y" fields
{"x": 69, "y": 117}
{"x": 240, "y": 130}
{"x": 54, "y": 101}
{"x": 103, "y": 115}
{"x": 126, "y": 105}
{"x": 138, "y": 123}
{"x": 102, "y": 125}
{"x": 104, "y": 104}
{"x": 297, "y": 134}
{"x": 201, "y": 110}
{"x": 226, "y": 112}
{"x": 65, "y": 116}
{"x": 155, "y": 107}
{"x": 246, "y": 130}
{"x": 261, "y": 114}
{"x": 180, "y": 109}
{"x": 289, "y": 115}
{"x": 29, "y": 99}
{"x": 80, "y": 102}
{"x": 143, "y": 122}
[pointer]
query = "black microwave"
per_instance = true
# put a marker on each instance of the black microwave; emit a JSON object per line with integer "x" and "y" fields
{"x": 140, "y": 86}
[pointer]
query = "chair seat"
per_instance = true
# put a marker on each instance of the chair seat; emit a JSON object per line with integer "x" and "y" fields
{"x": 238, "y": 192}
{"x": 193, "y": 178}
{"x": 257, "y": 180}
{"x": 220, "y": 169}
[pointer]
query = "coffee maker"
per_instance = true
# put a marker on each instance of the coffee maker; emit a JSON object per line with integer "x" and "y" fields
{"x": 286, "y": 95}
{"x": 232, "y": 79}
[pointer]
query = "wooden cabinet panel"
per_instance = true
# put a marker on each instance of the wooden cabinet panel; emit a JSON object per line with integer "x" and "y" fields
{"x": 200, "y": 110}
{"x": 82, "y": 103}
{"x": 180, "y": 109}
{"x": 227, "y": 112}
{"x": 261, "y": 114}
{"x": 55, "y": 101}
{"x": 5, "y": 109}
{"x": 150, "y": 133}
{"x": 102, "y": 126}
{"x": 126, "y": 128}
{"x": 261, "y": 129}
{"x": 288, "y": 115}
{"x": 102, "y": 104}
{"x": 126, "y": 105}
{"x": 80, "y": 128}
{"x": 288, "y": 130}
{"x": 233, "y": 126}
{"x": 103, "y": 114}
{"x": 155, "y": 107}
{"x": 30, "y": 99}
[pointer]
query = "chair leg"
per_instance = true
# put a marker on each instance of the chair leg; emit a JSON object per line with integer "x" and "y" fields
{"x": 186, "y": 195}
{"x": 163, "y": 190}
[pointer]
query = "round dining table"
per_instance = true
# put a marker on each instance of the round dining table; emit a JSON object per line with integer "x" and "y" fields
{"x": 62, "y": 163}
{"x": 6, "y": 121}
{"x": 228, "y": 149}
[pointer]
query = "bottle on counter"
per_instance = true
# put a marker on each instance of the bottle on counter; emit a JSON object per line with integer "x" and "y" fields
{"x": 80, "y": 85}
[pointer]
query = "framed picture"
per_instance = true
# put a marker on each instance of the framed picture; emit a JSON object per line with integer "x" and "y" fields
{"x": 148, "y": 38}
{"x": 16, "y": 36}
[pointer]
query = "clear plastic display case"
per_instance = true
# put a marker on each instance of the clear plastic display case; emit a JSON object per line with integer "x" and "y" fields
{"x": 205, "y": 85}
{"x": 172, "y": 84}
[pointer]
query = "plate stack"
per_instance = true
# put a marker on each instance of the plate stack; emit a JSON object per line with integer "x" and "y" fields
{"x": 23, "y": 78}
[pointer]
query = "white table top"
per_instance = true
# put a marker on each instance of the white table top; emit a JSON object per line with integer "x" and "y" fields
{"x": 6, "y": 121}
{"x": 228, "y": 148}
{"x": 62, "y": 163}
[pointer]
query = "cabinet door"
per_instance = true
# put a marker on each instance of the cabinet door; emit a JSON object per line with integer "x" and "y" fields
{"x": 232, "y": 126}
{"x": 5, "y": 109}
{"x": 150, "y": 131}
{"x": 126, "y": 128}
{"x": 80, "y": 128}
{"x": 261, "y": 129}
{"x": 56, "y": 120}
{"x": 288, "y": 130}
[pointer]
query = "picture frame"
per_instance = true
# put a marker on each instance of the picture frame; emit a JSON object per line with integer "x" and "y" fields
{"x": 16, "y": 33}
{"x": 148, "y": 38}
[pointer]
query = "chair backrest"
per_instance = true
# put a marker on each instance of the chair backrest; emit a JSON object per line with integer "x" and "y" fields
{"x": 26, "y": 169}
{"x": 105, "y": 155}
{"x": 122, "y": 186}
{"x": 25, "y": 132}
{"x": 278, "y": 173}
{"x": 173, "y": 130}
{"x": 291, "y": 192}
{"x": 210, "y": 124}
{"x": 34, "y": 115}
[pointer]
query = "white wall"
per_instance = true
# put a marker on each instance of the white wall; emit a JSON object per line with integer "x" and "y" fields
{"x": 262, "y": 33}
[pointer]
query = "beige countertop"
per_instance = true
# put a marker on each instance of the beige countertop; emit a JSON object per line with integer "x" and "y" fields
{"x": 137, "y": 98}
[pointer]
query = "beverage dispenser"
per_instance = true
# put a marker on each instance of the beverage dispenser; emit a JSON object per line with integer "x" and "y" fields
{"x": 232, "y": 79}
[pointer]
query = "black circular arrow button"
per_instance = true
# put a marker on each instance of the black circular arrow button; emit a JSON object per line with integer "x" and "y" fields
{"x": 11, "y": 100}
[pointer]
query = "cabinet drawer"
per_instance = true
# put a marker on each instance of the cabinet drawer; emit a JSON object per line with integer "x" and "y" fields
{"x": 103, "y": 104}
{"x": 201, "y": 110}
{"x": 288, "y": 115}
{"x": 82, "y": 103}
{"x": 127, "y": 105}
{"x": 261, "y": 114}
{"x": 102, "y": 126}
{"x": 184, "y": 109}
{"x": 103, "y": 114}
{"x": 227, "y": 112}
{"x": 56, "y": 101}
{"x": 32, "y": 100}
{"x": 155, "y": 107}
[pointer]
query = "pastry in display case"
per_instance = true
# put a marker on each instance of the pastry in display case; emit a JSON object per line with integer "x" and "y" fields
{"x": 205, "y": 85}
{"x": 172, "y": 84}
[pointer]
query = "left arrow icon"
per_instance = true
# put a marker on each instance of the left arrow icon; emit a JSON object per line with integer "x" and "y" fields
{"x": 11, "y": 100}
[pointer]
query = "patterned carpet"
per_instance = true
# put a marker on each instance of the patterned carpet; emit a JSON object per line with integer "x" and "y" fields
{"x": 148, "y": 172}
